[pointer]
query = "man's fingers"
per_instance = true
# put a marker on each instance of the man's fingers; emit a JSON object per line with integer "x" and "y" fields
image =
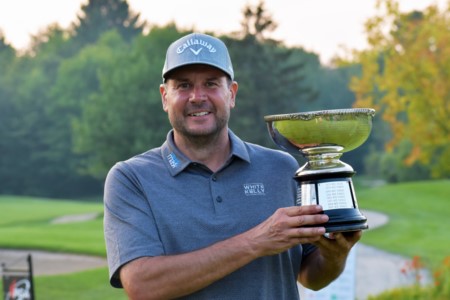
{"x": 303, "y": 210}
{"x": 308, "y": 220}
{"x": 307, "y": 215}
{"x": 308, "y": 234}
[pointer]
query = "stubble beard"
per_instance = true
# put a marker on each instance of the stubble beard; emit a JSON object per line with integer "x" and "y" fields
{"x": 203, "y": 136}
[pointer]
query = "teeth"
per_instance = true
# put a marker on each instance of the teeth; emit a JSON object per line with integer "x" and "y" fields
{"x": 204, "y": 113}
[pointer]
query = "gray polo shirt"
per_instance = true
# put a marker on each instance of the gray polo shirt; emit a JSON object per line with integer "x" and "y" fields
{"x": 161, "y": 203}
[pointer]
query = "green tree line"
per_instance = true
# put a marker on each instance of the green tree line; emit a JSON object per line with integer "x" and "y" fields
{"x": 81, "y": 98}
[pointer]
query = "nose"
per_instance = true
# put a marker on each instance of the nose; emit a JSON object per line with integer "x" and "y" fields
{"x": 198, "y": 94}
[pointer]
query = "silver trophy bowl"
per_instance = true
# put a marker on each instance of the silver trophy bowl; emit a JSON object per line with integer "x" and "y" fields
{"x": 322, "y": 137}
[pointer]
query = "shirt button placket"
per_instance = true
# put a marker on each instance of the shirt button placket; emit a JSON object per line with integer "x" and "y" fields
{"x": 218, "y": 199}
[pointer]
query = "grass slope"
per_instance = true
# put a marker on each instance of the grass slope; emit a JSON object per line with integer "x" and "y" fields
{"x": 27, "y": 223}
{"x": 418, "y": 218}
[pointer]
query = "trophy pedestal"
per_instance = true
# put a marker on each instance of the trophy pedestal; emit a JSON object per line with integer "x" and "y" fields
{"x": 337, "y": 197}
{"x": 326, "y": 180}
{"x": 345, "y": 219}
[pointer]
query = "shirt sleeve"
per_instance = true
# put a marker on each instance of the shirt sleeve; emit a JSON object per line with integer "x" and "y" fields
{"x": 308, "y": 249}
{"x": 129, "y": 226}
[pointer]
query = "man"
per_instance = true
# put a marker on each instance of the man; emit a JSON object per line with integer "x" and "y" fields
{"x": 206, "y": 215}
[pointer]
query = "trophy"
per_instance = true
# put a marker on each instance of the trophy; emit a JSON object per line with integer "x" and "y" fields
{"x": 322, "y": 137}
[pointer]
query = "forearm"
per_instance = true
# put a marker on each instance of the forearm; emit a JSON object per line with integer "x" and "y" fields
{"x": 317, "y": 272}
{"x": 327, "y": 262}
{"x": 167, "y": 277}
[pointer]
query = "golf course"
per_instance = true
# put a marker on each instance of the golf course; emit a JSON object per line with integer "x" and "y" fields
{"x": 417, "y": 227}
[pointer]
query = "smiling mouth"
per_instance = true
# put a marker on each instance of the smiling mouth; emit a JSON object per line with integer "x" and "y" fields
{"x": 199, "y": 114}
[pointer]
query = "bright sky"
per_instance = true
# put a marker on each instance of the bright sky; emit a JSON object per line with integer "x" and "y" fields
{"x": 322, "y": 26}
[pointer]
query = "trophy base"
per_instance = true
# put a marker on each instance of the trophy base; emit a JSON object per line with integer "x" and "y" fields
{"x": 345, "y": 219}
{"x": 335, "y": 192}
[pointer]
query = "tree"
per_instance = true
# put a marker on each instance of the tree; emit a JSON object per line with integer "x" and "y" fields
{"x": 405, "y": 76}
{"x": 77, "y": 82}
{"x": 274, "y": 77}
{"x": 53, "y": 40}
{"x": 38, "y": 156}
{"x": 257, "y": 21}
{"x": 125, "y": 117}
{"x": 28, "y": 167}
{"x": 8, "y": 114}
{"x": 100, "y": 16}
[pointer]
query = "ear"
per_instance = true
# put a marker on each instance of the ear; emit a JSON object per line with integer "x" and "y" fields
{"x": 233, "y": 91}
{"x": 163, "y": 92}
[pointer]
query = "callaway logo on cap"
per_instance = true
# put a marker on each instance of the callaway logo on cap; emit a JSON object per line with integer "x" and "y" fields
{"x": 198, "y": 48}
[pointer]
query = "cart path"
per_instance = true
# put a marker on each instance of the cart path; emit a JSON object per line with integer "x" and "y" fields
{"x": 50, "y": 263}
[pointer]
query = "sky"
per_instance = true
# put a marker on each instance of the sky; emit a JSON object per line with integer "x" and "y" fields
{"x": 325, "y": 27}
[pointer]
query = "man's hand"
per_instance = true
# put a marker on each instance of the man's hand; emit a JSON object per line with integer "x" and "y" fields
{"x": 286, "y": 228}
{"x": 338, "y": 244}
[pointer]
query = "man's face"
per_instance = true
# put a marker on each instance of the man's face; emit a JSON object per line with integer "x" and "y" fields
{"x": 198, "y": 100}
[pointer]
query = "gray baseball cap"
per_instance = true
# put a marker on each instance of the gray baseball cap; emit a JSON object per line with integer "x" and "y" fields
{"x": 198, "y": 48}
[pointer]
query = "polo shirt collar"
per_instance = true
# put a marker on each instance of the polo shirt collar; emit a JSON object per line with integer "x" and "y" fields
{"x": 176, "y": 161}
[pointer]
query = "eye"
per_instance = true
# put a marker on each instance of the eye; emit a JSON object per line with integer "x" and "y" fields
{"x": 211, "y": 83}
{"x": 183, "y": 85}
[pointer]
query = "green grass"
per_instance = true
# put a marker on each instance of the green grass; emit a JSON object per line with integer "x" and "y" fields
{"x": 26, "y": 223}
{"x": 419, "y": 221}
{"x": 418, "y": 226}
{"x": 25, "y": 210}
{"x": 88, "y": 285}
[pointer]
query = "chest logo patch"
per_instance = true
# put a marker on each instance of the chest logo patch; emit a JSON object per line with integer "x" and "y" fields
{"x": 254, "y": 189}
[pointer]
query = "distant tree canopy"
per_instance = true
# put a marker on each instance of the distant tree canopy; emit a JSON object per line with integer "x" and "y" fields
{"x": 406, "y": 75}
{"x": 81, "y": 99}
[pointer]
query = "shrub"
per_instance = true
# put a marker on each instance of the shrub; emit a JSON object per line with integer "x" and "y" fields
{"x": 438, "y": 290}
